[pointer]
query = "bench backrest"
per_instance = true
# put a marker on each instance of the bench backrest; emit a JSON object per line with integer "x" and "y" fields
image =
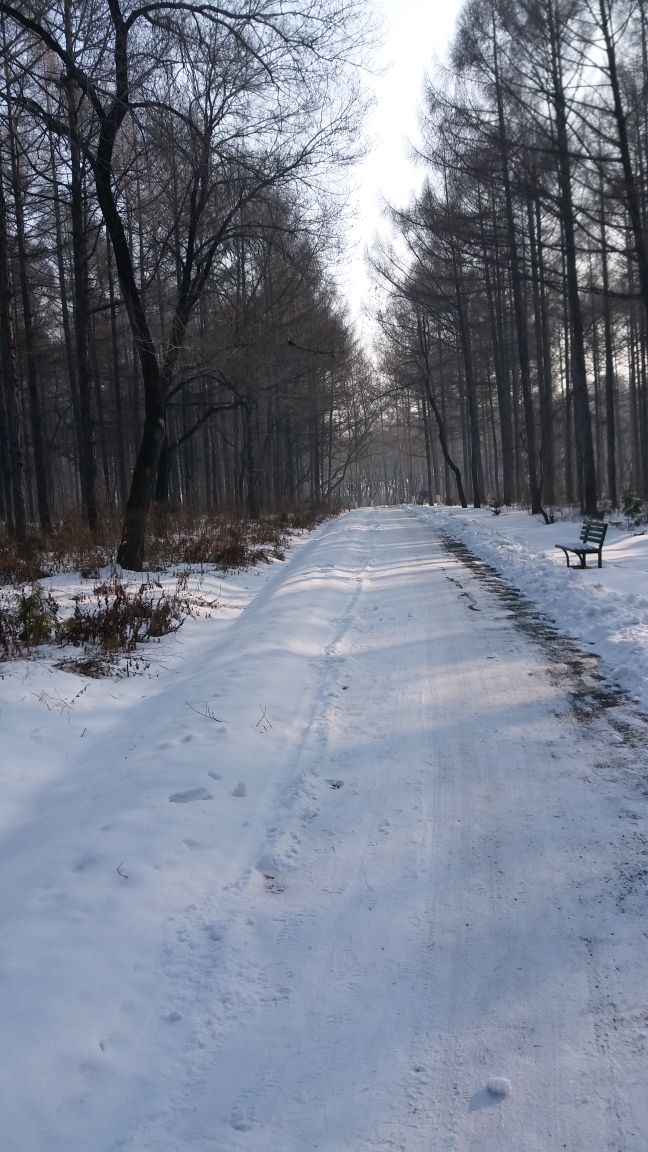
{"x": 593, "y": 532}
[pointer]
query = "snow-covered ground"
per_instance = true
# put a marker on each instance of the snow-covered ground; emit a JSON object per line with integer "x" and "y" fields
{"x": 341, "y": 859}
{"x": 605, "y": 608}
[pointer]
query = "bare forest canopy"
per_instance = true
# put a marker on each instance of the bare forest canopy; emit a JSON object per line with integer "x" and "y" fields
{"x": 169, "y": 192}
{"x": 169, "y": 332}
{"x": 514, "y": 328}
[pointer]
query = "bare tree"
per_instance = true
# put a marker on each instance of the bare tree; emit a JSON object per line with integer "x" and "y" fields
{"x": 245, "y": 95}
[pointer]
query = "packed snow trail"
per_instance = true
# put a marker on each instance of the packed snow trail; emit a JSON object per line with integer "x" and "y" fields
{"x": 434, "y": 875}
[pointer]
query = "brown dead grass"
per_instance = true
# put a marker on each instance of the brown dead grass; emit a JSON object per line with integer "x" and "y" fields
{"x": 108, "y": 626}
{"x": 224, "y": 540}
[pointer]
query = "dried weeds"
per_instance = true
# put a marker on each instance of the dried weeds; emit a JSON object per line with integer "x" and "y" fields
{"x": 108, "y": 625}
{"x": 225, "y": 541}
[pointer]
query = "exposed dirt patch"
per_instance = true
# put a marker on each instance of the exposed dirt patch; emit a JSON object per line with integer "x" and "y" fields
{"x": 591, "y": 694}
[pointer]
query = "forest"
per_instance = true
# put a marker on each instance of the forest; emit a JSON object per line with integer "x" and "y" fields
{"x": 514, "y": 323}
{"x": 169, "y": 193}
{"x": 171, "y": 333}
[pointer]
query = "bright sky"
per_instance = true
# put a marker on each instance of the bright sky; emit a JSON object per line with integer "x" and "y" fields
{"x": 417, "y": 33}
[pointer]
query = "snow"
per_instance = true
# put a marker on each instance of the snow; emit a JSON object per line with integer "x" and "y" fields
{"x": 434, "y": 880}
{"x": 499, "y": 1086}
{"x": 605, "y": 608}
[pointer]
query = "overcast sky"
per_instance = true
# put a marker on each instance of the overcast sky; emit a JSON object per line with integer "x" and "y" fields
{"x": 416, "y": 33}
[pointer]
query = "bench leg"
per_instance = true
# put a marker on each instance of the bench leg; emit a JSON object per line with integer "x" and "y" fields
{"x": 600, "y": 559}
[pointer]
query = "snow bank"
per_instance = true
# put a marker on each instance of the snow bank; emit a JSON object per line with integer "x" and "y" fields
{"x": 607, "y": 608}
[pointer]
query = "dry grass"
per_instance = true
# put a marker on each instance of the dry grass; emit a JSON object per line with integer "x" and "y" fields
{"x": 117, "y": 618}
{"x": 108, "y": 625}
{"x": 226, "y": 541}
{"x": 70, "y": 549}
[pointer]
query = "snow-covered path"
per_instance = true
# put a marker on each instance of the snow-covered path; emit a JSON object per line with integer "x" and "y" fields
{"x": 437, "y": 875}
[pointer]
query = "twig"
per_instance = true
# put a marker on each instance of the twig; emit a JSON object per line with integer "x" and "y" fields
{"x": 263, "y": 719}
{"x": 208, "y": 714}
{"x": 58, "y": 701}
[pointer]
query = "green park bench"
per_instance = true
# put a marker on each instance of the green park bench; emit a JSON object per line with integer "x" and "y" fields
{"x": 591, "y": 543}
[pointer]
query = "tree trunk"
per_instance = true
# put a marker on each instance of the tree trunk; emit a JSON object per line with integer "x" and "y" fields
{"x": 503, "y": 393}
{"x": 131, "y": 549}
{"x": 250, "y": 462}
{"x": 518, "y": 301}
{"x": 633, "y": 198}
{"x": 424, "y": 346}
{"x": 81, "y": 302}
{"x": 38, "y": 437}
{"x": 585, "y": 462}
{"x": 609, "y": 370}
{"x": 101, "y": 422}
{"x": 442, "y": 392}
{"x": 471, "y": 394}
{"x": 120, "y": 463}
{"x": 548, "y": 448}
{"x": 163, "y": 473}
{"x": 65, "y": 314}
{"x": 491, "y": 408}
{"x": 545, "y": 416}
{"x": 16, "y": 492}
{"x": 429, "y": 469}
{"x": 6, "y": 498}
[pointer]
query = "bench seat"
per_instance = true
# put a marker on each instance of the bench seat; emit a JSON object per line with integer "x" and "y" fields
{"x": 590, "y": 544}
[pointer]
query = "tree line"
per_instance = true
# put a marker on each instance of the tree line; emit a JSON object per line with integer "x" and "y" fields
{"x": 168, "y": 204}
{"x": 516, "y": 310}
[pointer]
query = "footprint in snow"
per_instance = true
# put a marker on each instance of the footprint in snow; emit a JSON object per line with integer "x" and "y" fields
{"x": 240, "y": 790}
{"x": 239, "y": 1122}
{"x": 491, "y": 1095}
{"x": 188, "y": 797}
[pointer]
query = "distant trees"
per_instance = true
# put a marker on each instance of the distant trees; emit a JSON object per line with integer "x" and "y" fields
{"x": 163, "y": 298}
{"x": 167, "y": 202}
{"x": 526, "y": 254}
